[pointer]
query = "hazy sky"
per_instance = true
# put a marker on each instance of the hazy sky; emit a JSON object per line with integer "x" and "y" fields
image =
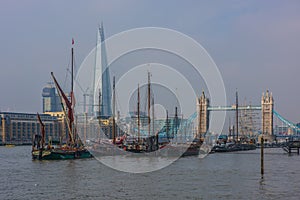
{"x": 255, "y": 44}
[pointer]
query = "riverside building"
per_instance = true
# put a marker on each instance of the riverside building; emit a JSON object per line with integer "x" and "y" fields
{"x": 19, "y": 128}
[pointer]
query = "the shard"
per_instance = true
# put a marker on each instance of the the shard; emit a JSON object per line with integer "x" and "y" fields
{"x": 101, "y": 82}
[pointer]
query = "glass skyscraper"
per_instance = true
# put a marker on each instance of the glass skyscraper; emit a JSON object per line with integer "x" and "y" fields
{"x": 102, "y": 71}
{"x": 51, "y": 101}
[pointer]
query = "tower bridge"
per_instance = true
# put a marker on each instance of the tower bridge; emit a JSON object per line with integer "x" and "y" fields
{"x": 266, "y": 108}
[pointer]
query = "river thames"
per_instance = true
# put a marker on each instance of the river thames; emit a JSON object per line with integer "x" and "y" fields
{"x": 217, "y": 176}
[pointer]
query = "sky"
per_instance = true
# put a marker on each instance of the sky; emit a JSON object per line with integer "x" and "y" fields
{"x": 255, "y": 44}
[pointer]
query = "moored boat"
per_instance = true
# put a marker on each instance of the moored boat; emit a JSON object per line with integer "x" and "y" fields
{"x": 61, "y": 154}
{"x": 230, "y": 147}
{"x": 74, "y": 148}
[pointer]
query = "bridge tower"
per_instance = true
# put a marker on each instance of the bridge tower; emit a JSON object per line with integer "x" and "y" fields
{"x": 3, "y": 123}
{"x": 267, "y": 104}
{"x": 202, "y": 115}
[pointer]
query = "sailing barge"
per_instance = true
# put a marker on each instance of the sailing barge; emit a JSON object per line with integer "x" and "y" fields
{"x": 74, "y": 148}
{"x": 143, "y": 140}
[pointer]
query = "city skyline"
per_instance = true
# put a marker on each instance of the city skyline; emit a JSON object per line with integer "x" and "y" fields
{"x": 254, "y": 44}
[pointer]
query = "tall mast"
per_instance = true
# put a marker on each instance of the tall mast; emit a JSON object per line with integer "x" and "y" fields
{"x": 99, "y": 104}
{"x": 200, "y": 116}
{"x": 113, "y": 117}
{"x": 42, "y": 129}
{"x": 229, "y": 127}
{"x": 176, "y": 121}
{"x": 72, "y": 87}
{"x": 72, "y": 70}
{"x": 167, "y": 126}
{"x": 153, "y": 129}
{"x": 237, "y": 115}
{"x": 138, "y": 113}
{"x": 149, "y": 90}
{"x": 99, "y": 113}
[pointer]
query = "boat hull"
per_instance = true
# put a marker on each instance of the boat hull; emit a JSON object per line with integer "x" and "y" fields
{"x": 59, "y": 154}
{"x": 233, "y": 147}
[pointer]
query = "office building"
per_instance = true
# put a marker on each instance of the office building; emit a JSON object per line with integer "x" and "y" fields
{"x": 19, "y": 128}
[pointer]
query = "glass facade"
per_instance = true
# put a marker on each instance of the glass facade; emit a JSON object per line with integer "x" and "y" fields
{"x": 51, "y": 101}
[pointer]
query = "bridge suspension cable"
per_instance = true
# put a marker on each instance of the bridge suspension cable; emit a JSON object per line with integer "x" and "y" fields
{"x": 287, "y": 122}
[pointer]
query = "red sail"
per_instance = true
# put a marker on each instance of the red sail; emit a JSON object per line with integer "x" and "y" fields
{"x": 65, "y": 98}
{"x": 69, "y": 106}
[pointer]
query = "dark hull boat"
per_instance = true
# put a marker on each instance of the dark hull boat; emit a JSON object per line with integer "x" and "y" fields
{"x": 105, "y": 148}
{"x": 74, "y": 149}
{"x": 233, "y": 147}
{"x": 60, "y": 154}
{"x": 181, "y": 150}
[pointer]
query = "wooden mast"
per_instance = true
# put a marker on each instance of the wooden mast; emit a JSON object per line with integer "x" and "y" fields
{"x": 167, "y": 125}
{"x": 149, "y": 90}
{"x": 42, "y": 129}
{"x": 72, "y": 70}
{"x": 176, "y": 122}
{"x": 229, "y": 128}
{"x": 42, "y": 141}
{"x": 138, "y": 113}
{"x": 69, "y": 103}
{"x": 72, "y": 87}
{"x": 153, "y": 129}
{"x": 200, "y": 114}
{"x": 237, "y": 115}
{"x": 113, "y": 117}
{"x": 99, "y": 114}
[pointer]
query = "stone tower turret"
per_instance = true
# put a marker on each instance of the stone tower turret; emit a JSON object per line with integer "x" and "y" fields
{"x": 202, "y": 115}
{"x": 267, "y": 104}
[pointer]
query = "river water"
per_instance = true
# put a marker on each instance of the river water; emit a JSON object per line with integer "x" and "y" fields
{"x": 217, "y": 176}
